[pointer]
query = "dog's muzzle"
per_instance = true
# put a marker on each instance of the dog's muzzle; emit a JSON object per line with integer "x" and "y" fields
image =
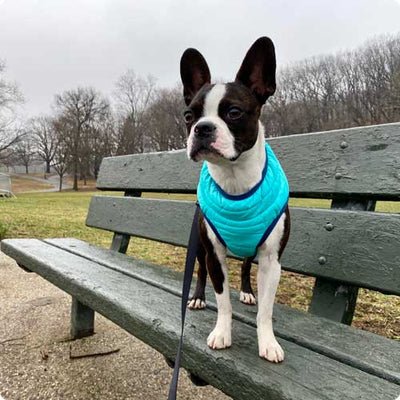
{"x": 204, "y": 134}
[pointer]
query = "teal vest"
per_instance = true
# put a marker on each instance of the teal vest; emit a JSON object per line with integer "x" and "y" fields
{"x": 243, "y": 222}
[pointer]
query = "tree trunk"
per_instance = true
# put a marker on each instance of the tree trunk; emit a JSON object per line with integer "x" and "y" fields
{"x": 75, "y": 186}
{"x": 76, "y": 158}
{"x": 27, "y": 169}
{"x": 47, "y": 167}
{"x": 60, "y": 186}
{"x": 96, "y": 171}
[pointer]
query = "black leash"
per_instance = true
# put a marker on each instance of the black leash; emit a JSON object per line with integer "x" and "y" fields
{"x": 193, "y": 245}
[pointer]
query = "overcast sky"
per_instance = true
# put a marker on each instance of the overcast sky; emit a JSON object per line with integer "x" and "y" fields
{"x": 53, "y": 45}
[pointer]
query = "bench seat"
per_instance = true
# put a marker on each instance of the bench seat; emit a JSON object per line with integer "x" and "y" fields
{"x": 324, "y": 359}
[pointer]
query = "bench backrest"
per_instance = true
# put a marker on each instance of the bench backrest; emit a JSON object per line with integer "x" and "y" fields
{"x": 345, "y": 247}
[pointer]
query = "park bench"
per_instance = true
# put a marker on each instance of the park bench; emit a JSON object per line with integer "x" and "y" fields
{"x": 346, "y": 247}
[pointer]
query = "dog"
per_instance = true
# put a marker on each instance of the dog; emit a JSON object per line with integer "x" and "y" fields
{"x": 239, "y": 174}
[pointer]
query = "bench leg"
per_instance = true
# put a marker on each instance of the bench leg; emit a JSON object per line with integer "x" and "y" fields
{"x": 82, "y": 320}
{"x": 334, "y": 301}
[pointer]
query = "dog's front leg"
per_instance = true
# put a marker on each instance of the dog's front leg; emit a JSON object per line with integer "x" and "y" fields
{"x": 221, "y": 336}
{"x": 269, "y": 272}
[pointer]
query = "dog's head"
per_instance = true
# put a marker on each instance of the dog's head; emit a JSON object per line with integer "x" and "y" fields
{"x": 222, "y": 119}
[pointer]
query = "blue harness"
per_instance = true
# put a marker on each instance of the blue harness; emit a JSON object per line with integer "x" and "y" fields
{"x": 243, "y": 222}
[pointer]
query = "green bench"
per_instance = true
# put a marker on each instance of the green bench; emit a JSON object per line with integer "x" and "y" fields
{"x": 346, "y": 247}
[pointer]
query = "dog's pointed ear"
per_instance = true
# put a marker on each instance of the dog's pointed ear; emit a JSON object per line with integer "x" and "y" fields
{"x": 194, "y": 73}
{"x": 257, "y": 71}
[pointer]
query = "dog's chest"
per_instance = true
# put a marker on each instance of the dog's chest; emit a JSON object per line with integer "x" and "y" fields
{"x": 243, "y": 222}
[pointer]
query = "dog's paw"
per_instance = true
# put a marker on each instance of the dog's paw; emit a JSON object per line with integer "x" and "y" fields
{"x": 247, "y": 298}
{"x": 196, "y": 304}
{"x": 219, "y": 338}
{"x": 271, "y": 351}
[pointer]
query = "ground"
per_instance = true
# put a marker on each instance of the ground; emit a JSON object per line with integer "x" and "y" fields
{"x": 35, "y": 351}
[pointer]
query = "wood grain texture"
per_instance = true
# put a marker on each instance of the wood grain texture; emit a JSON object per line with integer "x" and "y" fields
{"x": 239, "y": 372}
{"x": 120, "y": 242}
{"x": 366, "y": 351}
{"x": 361, "y": 249}
{"x": 358, "y": 162}
{"x": 332, "y": 299}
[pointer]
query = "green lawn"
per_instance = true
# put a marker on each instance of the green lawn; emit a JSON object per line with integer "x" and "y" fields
{"x": 63, "y": 215}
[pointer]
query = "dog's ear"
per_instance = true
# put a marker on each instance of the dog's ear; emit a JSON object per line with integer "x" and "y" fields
{"x": 194, "y": 73}
{"x": 257, "y": 71}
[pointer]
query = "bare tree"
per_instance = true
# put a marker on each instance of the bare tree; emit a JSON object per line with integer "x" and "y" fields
{"x": 24, "y": 152}
{"x": 78, "y": 110}
{"x": 42, "y": 129}
{"x": 60, "y": 161}
{"x": 98, "y": 141}
{"x": 133, "y": 95}
{"x": 164, "y": 126}
{"x": 359, "y": 87}
{"x": 102, "y": 142}
{"x": 10, "y": 98}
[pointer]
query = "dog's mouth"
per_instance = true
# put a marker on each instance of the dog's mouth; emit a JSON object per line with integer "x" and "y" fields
{"x": 212, "y": 155}
{"x": 201, "y": 152}
{"x": 202, "y": 149}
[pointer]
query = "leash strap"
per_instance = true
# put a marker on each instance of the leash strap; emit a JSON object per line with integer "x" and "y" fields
{"x": 193, "y": 245}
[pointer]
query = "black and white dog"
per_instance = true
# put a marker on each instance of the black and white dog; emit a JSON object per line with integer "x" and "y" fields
{"x": 224, "y": 129}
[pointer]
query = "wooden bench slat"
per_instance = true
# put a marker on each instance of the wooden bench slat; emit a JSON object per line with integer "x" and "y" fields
{"x": 361, "y": 249}
{"x": 304, "y": 375}
{"x": 360, "y": 161}
{"x": 368, "y": 352}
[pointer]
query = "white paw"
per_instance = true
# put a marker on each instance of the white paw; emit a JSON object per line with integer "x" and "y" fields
{"x": 247, "y": 298}
{"x": 219, "y": 338}
{"x": 271, "y": 351}
{"x": 196, "y": 304}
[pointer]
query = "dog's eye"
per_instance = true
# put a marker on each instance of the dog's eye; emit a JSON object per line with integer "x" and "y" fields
{"x": 234, "y": 113}
{"x": 188, "y": 116}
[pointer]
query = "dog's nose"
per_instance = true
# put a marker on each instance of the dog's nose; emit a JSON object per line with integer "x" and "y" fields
{"x": 204, "y": 129}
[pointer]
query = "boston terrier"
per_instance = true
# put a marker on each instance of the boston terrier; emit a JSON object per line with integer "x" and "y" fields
{"x": 242, "y": 192}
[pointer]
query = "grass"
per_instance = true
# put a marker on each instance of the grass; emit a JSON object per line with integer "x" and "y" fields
{"x": 90, "y": 184}
{"x": 63, "y": 215}
{"x": 3, "y": 231}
